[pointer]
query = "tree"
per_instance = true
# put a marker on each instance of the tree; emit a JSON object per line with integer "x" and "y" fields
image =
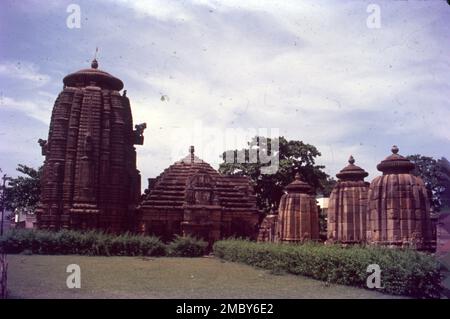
{"x": 23, "y": 191}
{"x": 294, "y": 156}
{"x": 434, "y": 175}
{"x": 444, "y": 180}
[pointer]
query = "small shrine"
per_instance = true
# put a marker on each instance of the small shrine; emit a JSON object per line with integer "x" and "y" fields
{"x": 399, "y": 208}
{"x": 347, "y": 207}
{"x": 298, "y": 214}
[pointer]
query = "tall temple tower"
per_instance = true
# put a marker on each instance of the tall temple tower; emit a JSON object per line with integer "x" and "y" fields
{"x": 90, "y": 180}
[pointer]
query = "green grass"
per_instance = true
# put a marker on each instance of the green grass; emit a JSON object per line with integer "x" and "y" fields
{"x": 42, "y": 276}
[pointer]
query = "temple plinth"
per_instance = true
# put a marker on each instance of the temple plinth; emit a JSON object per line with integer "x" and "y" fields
{"x": 90, "y": 180}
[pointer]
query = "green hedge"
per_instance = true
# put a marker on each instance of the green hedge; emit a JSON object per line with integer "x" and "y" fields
{"x": 95, "y": 244}
{"x": 187, "y": 247}
{"x": 403, "y": 271}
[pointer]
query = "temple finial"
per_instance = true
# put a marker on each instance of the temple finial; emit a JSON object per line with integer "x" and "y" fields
{"x": 394, "y": 149}
{"x": 351, "y": 160}
{"x": 94, "y": 63}
{"x": 297, "y": 176}
{"x": 191, "y": 150}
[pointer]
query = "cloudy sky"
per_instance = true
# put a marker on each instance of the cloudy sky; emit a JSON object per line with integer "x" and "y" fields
{"x": 318, "y": 71}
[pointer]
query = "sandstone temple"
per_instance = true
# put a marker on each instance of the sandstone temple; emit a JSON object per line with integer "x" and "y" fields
{"x": 347, "y": 209}
{"x": 90, "y": 181}
{"x": 90, "y": 178}
{"x": 191, "y": 198}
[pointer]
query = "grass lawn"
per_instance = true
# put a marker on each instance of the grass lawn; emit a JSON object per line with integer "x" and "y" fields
{"x": 38, "y": 276}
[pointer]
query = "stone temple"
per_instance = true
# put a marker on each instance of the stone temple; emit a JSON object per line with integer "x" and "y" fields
{"x": 191, "y": 198}
{"x": 298, "y": 216}
{"x": 90, "y": 178}
{"x": 90, "y": 181}
{"x": 347, "y": 208}
{"x": 398, "y": 206}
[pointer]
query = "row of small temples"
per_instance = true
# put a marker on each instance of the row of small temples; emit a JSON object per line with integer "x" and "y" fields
{"x": 392, "y": 210}
{"x": 90, "y": 181}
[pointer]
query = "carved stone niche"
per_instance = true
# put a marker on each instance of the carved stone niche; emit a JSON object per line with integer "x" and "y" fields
{"x": 201, "y": 189}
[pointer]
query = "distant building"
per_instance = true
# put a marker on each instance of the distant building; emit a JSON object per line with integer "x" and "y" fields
{"x": 322, "y": 202}
{"x": 24, "y": 220}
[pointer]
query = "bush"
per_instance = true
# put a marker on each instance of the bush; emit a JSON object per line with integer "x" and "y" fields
{"x": 83, "y": 243}
{"x": 187, "y": 247}
{"x": 403, "y": 271}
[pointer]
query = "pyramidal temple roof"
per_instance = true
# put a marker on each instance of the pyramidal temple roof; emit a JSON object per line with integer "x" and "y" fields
{"x": 170, "y": 187}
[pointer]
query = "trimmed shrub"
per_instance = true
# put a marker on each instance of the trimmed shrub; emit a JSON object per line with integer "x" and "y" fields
{"x": 403, "y": 271}
{"x": 187, "y": 247}
{"x": 82, "y": 243}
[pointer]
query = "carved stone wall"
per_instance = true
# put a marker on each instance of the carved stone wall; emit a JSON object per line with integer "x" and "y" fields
{"x": 347, "y": 208}
{"x": 90, "y": 178}
{"x": 298, "y": 214}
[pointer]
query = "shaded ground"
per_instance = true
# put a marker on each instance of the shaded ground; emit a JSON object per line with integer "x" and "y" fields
{"x": 136, "y": 277}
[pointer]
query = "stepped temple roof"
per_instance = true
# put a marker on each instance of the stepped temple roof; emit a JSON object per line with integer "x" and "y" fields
{"x": 169, "y": 189}
{"x": 192, "y": 198}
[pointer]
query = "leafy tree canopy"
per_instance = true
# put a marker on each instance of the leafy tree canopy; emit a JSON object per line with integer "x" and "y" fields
{"x": 294, "y": 156}
{"x": 436, "y": 176}
{"x": 23, "y": 192}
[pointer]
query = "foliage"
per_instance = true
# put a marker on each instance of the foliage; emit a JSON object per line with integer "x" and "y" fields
{"x": 23, "y": 191}
{"x": 434, "y": 175}
{"x": 187, "y": 247}
{"x": 404, "y": 271}
{"x": 294, "y": 156}
{"x": 444, "y": 180}
{"x": 82, "y": 243}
